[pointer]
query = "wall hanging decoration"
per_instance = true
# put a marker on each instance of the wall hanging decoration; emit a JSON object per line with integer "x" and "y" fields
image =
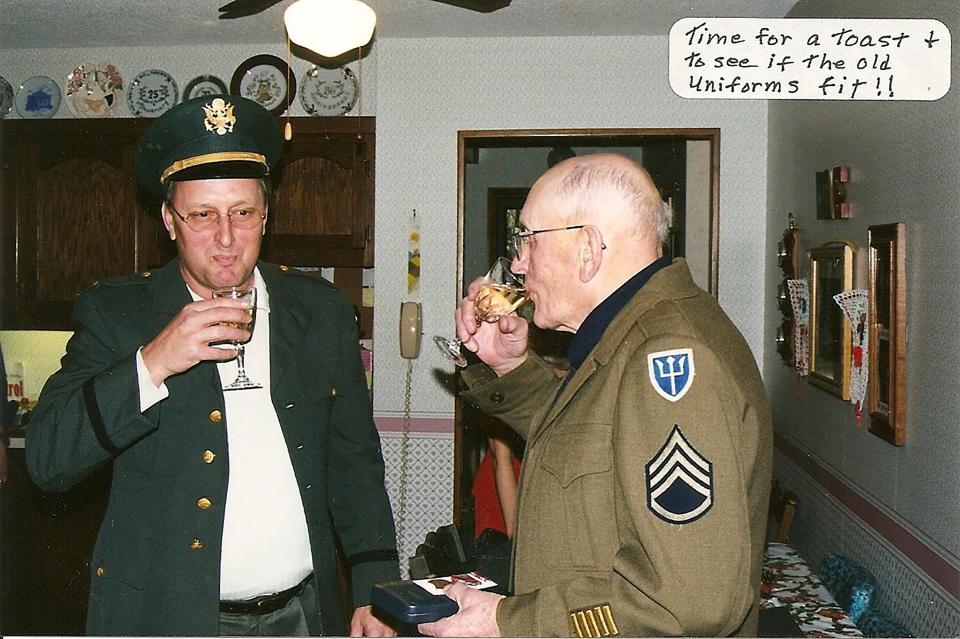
{"x": 854, "y": 306}
{"x": 832, "y": 194}
{"x": 38, "y": 97}
{"x": 788, "y": 249}
{"x": 800, "y": 303}
{"x": 831, "y": 272}
{"x": 6, "y": 97}
{"x": 94, "y": 90}
{"x": 151, "y": 93}
{"x": 265, "y": 79}
{"x": 888, "y": 332}
{"x": 203, "y": 85}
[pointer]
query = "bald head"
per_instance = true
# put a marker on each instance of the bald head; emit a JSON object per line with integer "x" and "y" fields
{"x": 596, "y": 221}
{"x": 613, "y": 192}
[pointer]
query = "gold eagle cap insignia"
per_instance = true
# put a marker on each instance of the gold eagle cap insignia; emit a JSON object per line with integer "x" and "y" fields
{"x": 219, "y": 117}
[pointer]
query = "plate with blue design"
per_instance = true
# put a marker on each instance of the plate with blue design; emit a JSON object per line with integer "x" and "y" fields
{"x": 38, "y": 97}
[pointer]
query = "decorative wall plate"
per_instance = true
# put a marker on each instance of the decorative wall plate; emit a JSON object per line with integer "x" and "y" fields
{"x": 94, "y": 89}
{"x": 152, "y": 92}
{"x": 328, "y": 91}
{"x": 203, "y": 85}
{"x": 6, "y": 97}
{"x": 265, "y": 79}
{"x": 38, "y": 97}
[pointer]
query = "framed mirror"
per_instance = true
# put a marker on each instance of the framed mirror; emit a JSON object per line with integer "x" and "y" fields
{"x": 888, "y": 332}
{"x": 496, "y": 169}
{"x": 831, "y": 272}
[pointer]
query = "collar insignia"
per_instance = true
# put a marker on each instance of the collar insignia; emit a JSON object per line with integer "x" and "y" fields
{"x": 671, "y": 372}
{"x": 679, "y": 481}
{"x": 218, "y": 117}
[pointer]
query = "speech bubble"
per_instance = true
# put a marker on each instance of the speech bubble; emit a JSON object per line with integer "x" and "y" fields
{"x": 809, "y": 59}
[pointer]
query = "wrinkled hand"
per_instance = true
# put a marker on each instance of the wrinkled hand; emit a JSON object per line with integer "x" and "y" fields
{"x": 365, "y": 624}
{"x": 502, "y": 345}
{"x": 185, "y": 341}
{"x": 477, "y": 616}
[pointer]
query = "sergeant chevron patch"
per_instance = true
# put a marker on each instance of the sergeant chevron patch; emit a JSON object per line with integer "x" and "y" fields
{"x": 671, "y": 372}
{"x": 679, "y": 481}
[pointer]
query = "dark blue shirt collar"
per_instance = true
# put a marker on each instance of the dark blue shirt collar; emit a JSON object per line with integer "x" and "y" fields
{"x": 599, "y": 318}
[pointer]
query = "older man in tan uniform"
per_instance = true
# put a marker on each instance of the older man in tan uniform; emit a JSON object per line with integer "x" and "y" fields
{"x": 644, "y": 491}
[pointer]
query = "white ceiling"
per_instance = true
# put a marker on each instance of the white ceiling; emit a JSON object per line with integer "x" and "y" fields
{"x": 28, "y": 24}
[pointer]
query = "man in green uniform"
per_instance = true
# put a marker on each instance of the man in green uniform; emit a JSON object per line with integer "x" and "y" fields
{"x": 224, "y": 504}
{"x": 645, "y": 480}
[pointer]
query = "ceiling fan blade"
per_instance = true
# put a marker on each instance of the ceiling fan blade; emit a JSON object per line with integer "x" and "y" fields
{"x": 483, "y": 6}
{"x": 241, "y": 8}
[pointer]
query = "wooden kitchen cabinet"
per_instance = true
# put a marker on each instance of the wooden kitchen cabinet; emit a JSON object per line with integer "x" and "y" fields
{"x": 322, "y": 211}
{"x": 71, "y": 213}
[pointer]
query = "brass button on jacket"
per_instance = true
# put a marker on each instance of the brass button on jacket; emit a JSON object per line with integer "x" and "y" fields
{"x": 100, "y": 571}
{"x": 209, "y": 456}
{"x": 196, "y": 544}
{"x": 203, "y": 503}
{"x": 215, "y": 415}
{"x": 496, "y": 397}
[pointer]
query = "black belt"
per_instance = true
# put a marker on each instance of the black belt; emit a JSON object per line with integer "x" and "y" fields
{"x": 264, "y": 604}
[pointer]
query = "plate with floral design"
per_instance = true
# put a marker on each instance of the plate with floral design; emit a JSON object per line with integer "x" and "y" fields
{"x": 38, "y": 97}
{"x": 94, "y": 90}
{"x": 265, "y": 79}
{"x": 152, "y": 92}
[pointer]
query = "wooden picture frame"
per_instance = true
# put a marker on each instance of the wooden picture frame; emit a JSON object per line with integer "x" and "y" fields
{"x": 504, "y": 205}
{"x": 831, "y": 272}
{"x": 887, "y": 319}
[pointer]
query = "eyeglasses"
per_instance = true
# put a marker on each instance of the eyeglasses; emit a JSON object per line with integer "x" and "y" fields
{"x": 522, "y": 236}
{"x": 208, "y": 220}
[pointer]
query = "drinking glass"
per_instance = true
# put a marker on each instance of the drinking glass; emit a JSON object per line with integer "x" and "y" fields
{"x": 501, "y": 292}
{"x": 248, "y": 295}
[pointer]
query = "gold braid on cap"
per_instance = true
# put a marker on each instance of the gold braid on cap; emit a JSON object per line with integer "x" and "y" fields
{"x": 210, "y": 158}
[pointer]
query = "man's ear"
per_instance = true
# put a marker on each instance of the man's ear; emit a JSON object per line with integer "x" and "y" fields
{"x": 266, "y": 216}
{"x": 591, "y": 252}
{"x": 167, "y": 218}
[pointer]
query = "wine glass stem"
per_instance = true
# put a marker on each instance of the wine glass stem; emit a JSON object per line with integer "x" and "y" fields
{"x": 241, "y": 372}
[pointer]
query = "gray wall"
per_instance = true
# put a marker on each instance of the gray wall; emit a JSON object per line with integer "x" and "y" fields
{"x": 903, "y": 160}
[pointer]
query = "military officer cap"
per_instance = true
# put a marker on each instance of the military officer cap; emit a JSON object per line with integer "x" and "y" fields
{"x": 221, "y": 136}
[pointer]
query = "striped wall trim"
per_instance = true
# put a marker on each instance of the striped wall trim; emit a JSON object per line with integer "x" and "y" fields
{"x": 394, "y": 424}
{"x": 928, "y": 560}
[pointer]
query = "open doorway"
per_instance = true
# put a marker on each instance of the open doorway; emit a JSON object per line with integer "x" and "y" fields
{"x": 495, "y": 171}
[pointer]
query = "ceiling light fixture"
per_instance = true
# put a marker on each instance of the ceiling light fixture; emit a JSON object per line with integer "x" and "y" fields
{"x": 330, "y": 27}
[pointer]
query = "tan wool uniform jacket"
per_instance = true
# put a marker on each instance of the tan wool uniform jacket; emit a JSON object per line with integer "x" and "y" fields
{"x": 645, "y": 483}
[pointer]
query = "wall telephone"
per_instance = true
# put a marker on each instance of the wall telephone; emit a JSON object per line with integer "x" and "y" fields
{"x": 411, "y": 323}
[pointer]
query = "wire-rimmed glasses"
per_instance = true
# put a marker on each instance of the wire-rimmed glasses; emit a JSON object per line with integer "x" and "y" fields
{"x": 206, "y": 220}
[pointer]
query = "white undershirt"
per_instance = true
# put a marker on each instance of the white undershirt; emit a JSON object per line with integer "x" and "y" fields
{"x": 265, "y": 546}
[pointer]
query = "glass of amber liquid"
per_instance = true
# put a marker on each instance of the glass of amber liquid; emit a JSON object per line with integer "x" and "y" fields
{"x": 248, "y": 295}
{"x": 501, "y": 292}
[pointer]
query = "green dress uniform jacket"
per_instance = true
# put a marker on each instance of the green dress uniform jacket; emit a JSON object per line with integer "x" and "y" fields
{"x": 156, "y": 566}
{"x": 640, "y": 514}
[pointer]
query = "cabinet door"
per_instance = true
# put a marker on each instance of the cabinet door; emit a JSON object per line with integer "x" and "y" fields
{"x": 322, "y": 211}
{"x": 71, "y": 215}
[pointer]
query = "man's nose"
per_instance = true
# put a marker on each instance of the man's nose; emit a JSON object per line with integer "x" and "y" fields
{"x": 224, "y": 230}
